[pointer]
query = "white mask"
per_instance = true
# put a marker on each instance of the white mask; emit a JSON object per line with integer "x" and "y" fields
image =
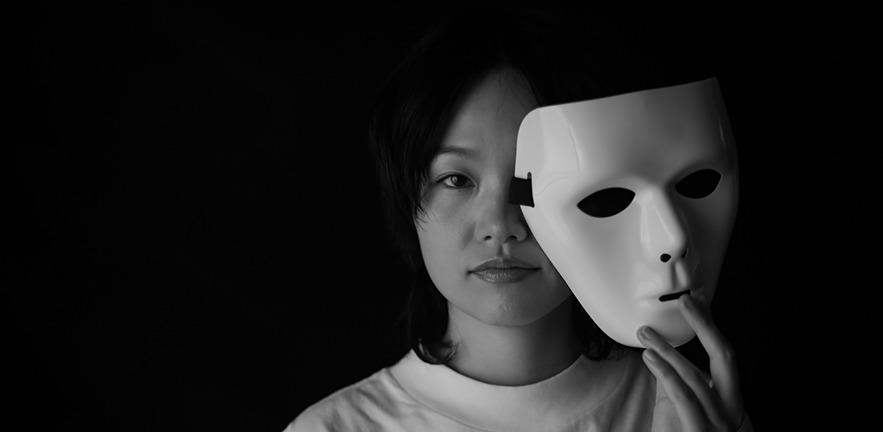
{"x": 627, "y": 202}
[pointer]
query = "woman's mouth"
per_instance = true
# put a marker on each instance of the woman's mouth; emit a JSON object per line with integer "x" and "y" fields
{"x": 504, "y": 275}
{"x": 501, "y": 270}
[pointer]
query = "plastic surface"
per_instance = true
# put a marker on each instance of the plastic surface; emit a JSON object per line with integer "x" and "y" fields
{"x": 635, "y": 197}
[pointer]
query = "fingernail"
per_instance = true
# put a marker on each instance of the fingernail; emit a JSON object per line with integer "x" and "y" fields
{"x": 647, "y": 332}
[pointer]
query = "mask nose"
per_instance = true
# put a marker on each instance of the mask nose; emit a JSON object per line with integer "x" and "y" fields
{"x": 663, "y": 233}
{"x": 666, "y": 257}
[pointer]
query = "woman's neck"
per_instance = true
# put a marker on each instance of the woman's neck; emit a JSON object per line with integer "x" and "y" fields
{"x": 513, "y": 355}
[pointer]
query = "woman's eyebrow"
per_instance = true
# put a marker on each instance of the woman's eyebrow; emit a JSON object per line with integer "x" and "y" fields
{"x": 457, "y": 150}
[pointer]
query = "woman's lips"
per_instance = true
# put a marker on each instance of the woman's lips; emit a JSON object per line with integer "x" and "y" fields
{"x": 501, "y": 270}
{"x": 504, "y": 275}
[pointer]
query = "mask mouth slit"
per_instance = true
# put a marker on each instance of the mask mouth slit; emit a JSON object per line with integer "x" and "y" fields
{"x": 673, "y": 296}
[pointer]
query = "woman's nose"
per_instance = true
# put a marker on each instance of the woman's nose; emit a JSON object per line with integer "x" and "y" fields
{"x": 500, "y": 221}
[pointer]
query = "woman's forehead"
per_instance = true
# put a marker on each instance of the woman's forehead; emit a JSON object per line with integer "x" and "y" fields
{"x": 490, "y": 112}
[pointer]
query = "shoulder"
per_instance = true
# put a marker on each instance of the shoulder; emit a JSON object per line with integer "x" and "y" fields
{"x": 365, "y": 405}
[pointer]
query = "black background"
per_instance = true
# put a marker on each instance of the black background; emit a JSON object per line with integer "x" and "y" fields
{"x": 193, "y": 240}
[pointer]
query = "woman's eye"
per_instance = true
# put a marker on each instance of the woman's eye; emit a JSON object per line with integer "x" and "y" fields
{"x": 699, "y": 184}
{"x": 606, "y": 202}
{"x": 456, "y": 181}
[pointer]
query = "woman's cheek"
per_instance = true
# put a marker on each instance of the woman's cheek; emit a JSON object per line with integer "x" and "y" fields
{"x": 448, "y": 206}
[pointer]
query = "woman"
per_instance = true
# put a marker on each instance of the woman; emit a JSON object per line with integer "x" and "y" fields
{"x": 499, "y": 342}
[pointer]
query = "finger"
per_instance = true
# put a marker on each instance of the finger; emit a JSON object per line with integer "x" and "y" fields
{"x": 687, "y": 406}
{"x": 688, "y": 373}
{"x": 722, "y": 359}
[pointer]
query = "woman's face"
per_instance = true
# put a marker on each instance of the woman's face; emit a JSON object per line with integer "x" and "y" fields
{"x": 477, "y": 247}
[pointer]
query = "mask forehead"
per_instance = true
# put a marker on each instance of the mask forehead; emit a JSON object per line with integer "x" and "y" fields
{"x": 654, "y": 134}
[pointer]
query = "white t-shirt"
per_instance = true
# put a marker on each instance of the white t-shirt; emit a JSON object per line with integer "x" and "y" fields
{"x": 608, "y": 395}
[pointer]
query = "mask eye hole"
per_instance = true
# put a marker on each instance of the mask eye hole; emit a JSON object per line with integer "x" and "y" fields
{"x": 606, "y": 202}
{"x": 699, "y": 184}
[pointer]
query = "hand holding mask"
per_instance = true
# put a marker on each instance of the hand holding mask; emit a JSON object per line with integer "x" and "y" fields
{"x": 633, "y": 198}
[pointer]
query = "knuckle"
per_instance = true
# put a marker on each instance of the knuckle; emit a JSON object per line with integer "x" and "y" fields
{"x": 683, "y": 394}
{"x": 698, "y": 376}
{"x": 727, "y": 354}
{"x": 668, "y": 373}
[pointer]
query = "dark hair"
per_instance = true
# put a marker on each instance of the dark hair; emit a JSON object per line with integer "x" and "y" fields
{"x": 414, "y": 109}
